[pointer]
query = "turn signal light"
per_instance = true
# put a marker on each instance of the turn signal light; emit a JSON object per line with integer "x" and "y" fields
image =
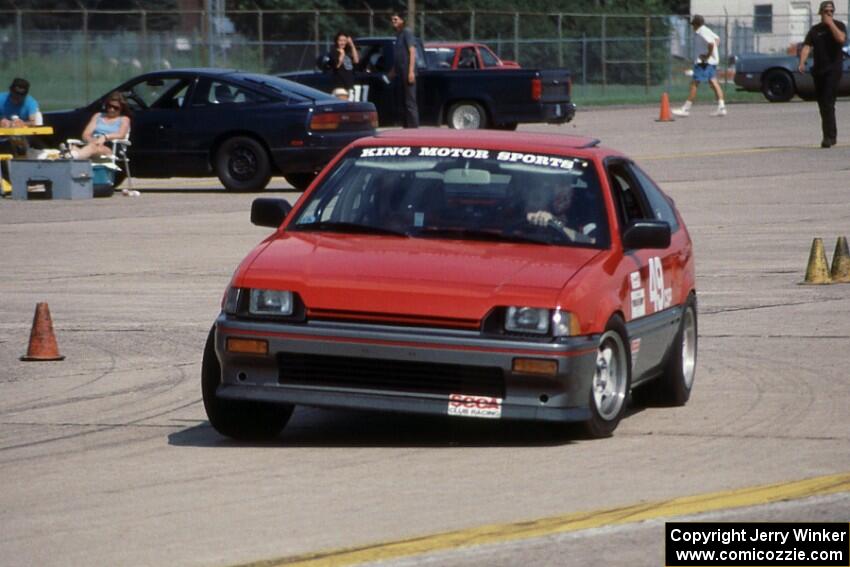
{"x": 535, "y": 366}
{"x": 247, "y": 346}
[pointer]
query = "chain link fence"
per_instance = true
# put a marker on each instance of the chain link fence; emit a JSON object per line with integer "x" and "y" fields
{"x": 74, "y": 56}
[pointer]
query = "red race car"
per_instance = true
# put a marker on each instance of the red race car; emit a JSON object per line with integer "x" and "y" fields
{"x": 490, "y": 275}
{"x": 464, "y": 55}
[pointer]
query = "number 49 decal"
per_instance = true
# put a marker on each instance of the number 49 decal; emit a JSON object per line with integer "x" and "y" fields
{"x": 656, "y": 283}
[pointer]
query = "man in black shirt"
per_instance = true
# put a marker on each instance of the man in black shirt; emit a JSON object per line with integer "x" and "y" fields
{"x": 404, "y": 70}
{"x": 826, "y": 39}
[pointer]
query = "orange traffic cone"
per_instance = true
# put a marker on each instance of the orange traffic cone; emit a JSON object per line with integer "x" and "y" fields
{"x": 42, "y": 341}
{"x": 665, "y": 115}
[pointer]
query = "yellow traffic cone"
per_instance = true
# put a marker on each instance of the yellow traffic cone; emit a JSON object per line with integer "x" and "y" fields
{"x": 816, "y": 271}
{"x": 840, "y": 272}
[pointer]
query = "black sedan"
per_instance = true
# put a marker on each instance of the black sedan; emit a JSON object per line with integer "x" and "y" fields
{"x": 777, "y": 77}
{"x": 242, "y": 127}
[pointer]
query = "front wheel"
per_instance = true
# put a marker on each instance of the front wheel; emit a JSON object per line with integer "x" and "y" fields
{"x": 466, "y": 115}
{"x": 242, "y": 164}
{"x": 233, "y": 418}
{"x": 778, "y": 86}
{"x": 612, "y": 378}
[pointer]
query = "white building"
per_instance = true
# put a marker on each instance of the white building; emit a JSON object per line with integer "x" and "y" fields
{"x": 763, "y": 26}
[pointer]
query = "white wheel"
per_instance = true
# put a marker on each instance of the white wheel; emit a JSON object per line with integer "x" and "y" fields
{"x": 467, "y": 116}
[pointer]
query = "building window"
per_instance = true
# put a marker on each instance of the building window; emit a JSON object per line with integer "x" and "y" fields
{"x": 763, "y": 18}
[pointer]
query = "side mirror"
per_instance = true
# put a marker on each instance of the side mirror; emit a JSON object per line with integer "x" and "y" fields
{"x": 267, "y": 211}
{"x": 647, "y": 234}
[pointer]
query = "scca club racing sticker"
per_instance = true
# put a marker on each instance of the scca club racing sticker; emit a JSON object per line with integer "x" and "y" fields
{"x": 475, "y": 406}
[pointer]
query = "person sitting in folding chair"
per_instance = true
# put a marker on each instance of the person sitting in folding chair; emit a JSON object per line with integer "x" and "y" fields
{"x": 104, "y": 128}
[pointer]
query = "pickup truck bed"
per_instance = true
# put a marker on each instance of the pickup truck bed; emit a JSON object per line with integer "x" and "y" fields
{"x": 479, "y": 98}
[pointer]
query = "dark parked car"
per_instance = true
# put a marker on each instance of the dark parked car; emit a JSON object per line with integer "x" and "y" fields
{"x": 462, "y": 98}
{"x": 777, "y": 77}
{"x": 242, "y": 127}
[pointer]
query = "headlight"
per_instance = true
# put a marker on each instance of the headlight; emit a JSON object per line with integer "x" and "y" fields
{"x": 527, "y": 320}
{"x": 230, "y": 303}
{"x": 538, "y": 321}
{"x": 564, "y": 324}
{"x": 270, "y": 302}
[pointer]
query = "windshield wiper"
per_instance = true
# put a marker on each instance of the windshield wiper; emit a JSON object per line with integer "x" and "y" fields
{"x": 349, "y": 227}
{"x": 478, "y": 234}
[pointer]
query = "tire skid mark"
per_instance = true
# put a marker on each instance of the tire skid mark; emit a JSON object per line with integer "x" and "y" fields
{"x": 718, "y": 310}
{"x": 98, "y": 428}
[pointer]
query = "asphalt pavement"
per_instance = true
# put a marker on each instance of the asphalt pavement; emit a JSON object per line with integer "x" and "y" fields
{"x": 107, "y": 459}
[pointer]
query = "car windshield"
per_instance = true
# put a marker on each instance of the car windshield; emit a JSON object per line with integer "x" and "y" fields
{"x": 460, "y": 194}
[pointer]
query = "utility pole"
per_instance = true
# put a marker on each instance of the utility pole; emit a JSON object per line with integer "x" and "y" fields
{"x": 411, "y": 15}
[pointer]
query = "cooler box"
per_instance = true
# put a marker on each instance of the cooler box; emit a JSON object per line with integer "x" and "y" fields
{"x": 103, "y": 179}
{"x": 50, "y": 179}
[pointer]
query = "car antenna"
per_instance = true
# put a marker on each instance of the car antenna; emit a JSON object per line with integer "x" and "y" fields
{"x": 592, "y": 143}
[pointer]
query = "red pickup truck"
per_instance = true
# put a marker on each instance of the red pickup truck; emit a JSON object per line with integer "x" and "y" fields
{"x": 464, "y": 55}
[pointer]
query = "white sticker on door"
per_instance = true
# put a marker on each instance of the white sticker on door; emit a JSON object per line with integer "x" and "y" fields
{"x": 638, "y": 303}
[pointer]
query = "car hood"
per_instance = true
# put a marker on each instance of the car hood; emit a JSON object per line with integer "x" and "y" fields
{"x": 409, "y": 278}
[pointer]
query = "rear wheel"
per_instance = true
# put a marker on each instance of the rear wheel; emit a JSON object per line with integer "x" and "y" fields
{"x": 300, "y": 181}
{"x": 466, "y": 115}
{"x": 612, "y": 377}
{"x": 242, "y": 164}
{"x": 234, "y": 418}
{"x": 778, "y": 86}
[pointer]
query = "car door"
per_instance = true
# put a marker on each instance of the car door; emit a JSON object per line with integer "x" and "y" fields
{"x": 156, "y": 102}
{"x": 651, "y": 318}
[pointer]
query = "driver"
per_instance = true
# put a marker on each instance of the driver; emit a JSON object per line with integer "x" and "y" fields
{"x": 550, "y": 203}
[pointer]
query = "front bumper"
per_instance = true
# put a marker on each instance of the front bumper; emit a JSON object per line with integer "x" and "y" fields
{"x": 748, "y": 81}
{"x": 403, "y": 369}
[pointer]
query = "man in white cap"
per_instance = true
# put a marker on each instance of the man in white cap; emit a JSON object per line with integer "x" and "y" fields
{"x": 705, "y": 69}
{"x": 826, "y": 40}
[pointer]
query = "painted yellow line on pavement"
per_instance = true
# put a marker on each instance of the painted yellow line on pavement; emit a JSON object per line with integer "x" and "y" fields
{"x": 500, "y": 533}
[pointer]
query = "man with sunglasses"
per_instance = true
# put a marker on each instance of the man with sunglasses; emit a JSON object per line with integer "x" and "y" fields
{"x": 826, "y": 40}
{"x": 17, "y": 110}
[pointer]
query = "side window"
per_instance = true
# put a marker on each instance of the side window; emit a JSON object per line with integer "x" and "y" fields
{"x": 216, "y": 93}
{"x": 488, "y": 58}
{"x": 467, "y": 59}
{"x": 625, "y": 193}
{"x": 160, "y": 92}
{"x": 657, "y": 201}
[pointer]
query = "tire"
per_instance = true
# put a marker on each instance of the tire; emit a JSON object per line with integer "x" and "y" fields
{"x": 609, "y": 392}
{"x": 777, "y": 85}
{"x": 466, "y": 115}
{"x": 242, "y": 164}
{"x": 673, "y": 387}
{"x": 300, "y": 181}
{"x": 237, "y": 419}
